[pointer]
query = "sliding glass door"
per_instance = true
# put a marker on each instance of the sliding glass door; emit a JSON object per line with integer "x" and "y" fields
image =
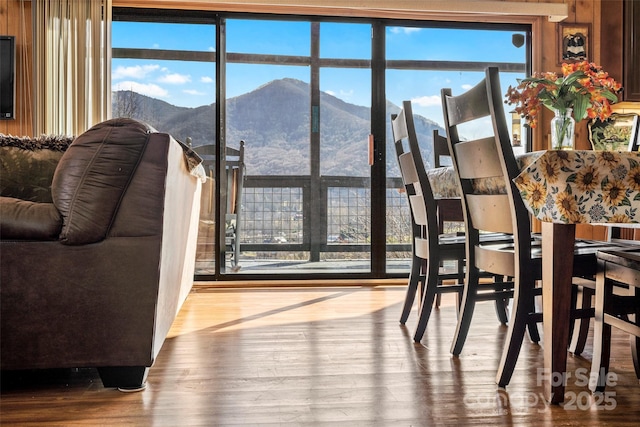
{"x": 303, "y": 135}
{"x": 420, "y": 61}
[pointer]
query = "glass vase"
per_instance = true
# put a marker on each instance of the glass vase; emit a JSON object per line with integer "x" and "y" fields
{"x": 563, "y": 127}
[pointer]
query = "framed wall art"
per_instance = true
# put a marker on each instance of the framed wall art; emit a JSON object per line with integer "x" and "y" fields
{"x": 573, "y": 42}
{"x": 618, "y": 133}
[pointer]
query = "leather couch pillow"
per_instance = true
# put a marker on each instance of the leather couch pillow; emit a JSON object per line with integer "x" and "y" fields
{"x": 92, "y": 177}
{"x": 25, "y": 220}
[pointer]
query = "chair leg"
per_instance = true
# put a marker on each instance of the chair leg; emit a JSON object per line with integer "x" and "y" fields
{"x": 534, "y": 333}
{"x": 635, "y": 340}
{"x": 430, "y": 289}
{"x": 532, "y": 326}
{"x": 460, "y": 279}
{"x": 635, "y": 345}
{"x": 580, "y": 329}
{"x": 414, "y": 279}
{"x": 601, "y": 336}
{"x": 465, "y": 313}
{"x": 502, "y": 305}
{"x": 523, "y": 305}
{"x": 601, "y": 355}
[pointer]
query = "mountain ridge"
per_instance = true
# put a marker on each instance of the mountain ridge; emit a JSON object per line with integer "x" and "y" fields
{"x": 274, "y": 120}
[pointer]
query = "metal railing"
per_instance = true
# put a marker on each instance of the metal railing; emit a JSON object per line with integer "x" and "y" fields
{"x": 280, "y": 214}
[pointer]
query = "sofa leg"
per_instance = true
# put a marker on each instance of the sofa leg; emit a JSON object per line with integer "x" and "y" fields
{"x": 125, "y": 378}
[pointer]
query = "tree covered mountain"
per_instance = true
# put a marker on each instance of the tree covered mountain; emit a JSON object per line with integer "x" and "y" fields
{"x": 274, "y": 121}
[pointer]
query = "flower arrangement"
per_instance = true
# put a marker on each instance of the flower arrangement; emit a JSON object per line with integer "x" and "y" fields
{"x": 583, "y": 87}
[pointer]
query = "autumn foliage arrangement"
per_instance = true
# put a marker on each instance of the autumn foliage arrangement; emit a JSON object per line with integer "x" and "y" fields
{"x": 583, "y": 87}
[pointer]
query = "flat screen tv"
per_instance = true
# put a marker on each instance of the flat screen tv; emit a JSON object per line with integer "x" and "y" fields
{"x": 7, "y": 77}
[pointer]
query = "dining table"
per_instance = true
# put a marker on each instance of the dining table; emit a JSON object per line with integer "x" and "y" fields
{"x": 562, "y": 188}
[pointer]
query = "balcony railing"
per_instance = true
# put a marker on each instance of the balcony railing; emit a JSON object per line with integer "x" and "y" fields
{"x": 286, "y": 216}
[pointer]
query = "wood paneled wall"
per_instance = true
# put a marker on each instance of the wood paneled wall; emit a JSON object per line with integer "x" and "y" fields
{"x": 15, "y": 20}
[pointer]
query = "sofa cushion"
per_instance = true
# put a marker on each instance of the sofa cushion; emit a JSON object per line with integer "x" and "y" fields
{"x": 92, "y": 177}
{"x": 27, "y": 174}
{"x": 25, "y": 220}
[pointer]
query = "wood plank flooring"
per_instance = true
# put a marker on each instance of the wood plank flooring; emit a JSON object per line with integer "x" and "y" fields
{"x": 333, "y": 356}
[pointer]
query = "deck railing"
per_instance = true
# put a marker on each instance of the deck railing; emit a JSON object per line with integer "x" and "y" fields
{"x": 284, "y": 213}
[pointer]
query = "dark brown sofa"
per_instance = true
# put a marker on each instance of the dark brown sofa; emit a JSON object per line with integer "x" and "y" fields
{"x": 95, "y": 277}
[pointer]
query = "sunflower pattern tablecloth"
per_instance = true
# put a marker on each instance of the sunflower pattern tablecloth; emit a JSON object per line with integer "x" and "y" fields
{"x": 577, "y": 187}
{"x": 444, "y": 184}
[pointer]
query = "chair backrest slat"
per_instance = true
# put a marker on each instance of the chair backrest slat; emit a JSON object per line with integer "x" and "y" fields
{"x": 468, "y": 106}
{"x": 478, "y": 159}
{"x": 418, "y": 208}
{"x": 399, "y": 126}
{"x": 490, "y": 212}
{"x": 408, "y": 169}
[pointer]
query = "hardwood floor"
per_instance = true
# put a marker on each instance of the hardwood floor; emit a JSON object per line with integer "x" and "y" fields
{"x": 322, "y": 356}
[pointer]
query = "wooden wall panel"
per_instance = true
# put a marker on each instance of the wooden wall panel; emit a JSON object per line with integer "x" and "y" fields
{"x": 15, "y": 20}
{"x": 610, "y": 27}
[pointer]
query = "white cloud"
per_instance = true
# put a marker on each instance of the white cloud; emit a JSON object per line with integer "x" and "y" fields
{"x": 149, "y": 89}
{"x": 427, "y": 101}
{"x": 156, "y": 46}
{"x": 467, "y": 87}
{"x": 212, "y": 49}
{"x": 135, "y": 72}
{"x": 342, "y": 94}
{"x": 206, "y": 79}
{"x": 175, "y": 79}
{"x": 193, "y": 92}
{"x": 404, "y": 30}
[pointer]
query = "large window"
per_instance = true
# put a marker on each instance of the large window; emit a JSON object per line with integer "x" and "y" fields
{"x": 420, "y": 62}
{"x": 312, "y": 107}
{"x": 163, "y": 73}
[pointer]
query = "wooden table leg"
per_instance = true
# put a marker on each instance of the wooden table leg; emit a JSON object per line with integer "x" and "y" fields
{"x": 557, "y": 267}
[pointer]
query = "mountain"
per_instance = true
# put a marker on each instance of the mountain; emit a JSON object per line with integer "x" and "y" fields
{"x": 274, "y": 120}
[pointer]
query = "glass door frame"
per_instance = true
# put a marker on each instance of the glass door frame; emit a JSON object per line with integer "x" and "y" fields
{"x": 378, "y": 65}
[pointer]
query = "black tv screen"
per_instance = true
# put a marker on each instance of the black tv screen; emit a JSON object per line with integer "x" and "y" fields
{"x": 7, "y": 77}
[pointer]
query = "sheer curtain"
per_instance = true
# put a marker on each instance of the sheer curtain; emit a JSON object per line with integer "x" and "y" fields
{"x": 72, "y": 65}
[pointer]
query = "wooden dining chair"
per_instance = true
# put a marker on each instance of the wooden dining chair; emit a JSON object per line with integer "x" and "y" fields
{"x": 448, "y": 210}
{"x": 430, "y": 247}
{"x": 235, "y": 167}
{"x": 618, "y": 305}
{"x": 235, "y": 176}
{"x": 441, "y": 155}
{"x": 492, "y": 157}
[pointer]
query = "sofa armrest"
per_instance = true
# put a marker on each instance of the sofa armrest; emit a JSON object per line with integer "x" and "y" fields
{"x": 25, "y": 220}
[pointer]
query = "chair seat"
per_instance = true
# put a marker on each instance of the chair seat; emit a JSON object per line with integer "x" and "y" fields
{"x": 617, "y": 305}
{"x": 629, "y": 257}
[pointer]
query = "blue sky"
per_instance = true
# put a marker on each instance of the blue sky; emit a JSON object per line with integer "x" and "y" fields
{"x": 192, "y": 84}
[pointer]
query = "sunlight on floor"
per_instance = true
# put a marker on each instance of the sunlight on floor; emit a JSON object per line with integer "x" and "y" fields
{"x": 225, "y": 310}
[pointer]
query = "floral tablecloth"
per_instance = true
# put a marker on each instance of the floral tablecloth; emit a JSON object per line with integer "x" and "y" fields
{"x": 576, "y": 186}
{"x": 445, "y": 186}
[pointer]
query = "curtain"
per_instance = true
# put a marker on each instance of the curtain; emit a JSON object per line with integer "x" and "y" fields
{"x": 72, "y": 65}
